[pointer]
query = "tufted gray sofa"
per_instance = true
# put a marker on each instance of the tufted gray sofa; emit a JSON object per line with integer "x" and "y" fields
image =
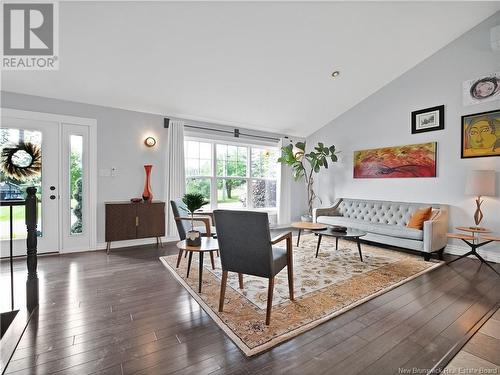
{"x": 385, "y": 222}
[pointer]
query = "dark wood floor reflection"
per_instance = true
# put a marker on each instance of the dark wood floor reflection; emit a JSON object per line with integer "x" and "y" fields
{"x": 124, "y": 313}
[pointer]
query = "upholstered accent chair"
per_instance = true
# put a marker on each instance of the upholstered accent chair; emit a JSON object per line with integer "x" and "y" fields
{"x": 183, "y": 221}
{"x": 246, "y": 247}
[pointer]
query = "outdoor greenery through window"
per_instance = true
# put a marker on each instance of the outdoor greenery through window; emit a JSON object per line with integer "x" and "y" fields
{"x": 76, "y": 184}
{"x": 232, "y": 176}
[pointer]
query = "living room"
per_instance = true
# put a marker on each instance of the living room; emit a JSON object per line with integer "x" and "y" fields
{"x": 338, "y": 161}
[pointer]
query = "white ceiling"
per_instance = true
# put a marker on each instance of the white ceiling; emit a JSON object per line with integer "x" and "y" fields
{"x": 258, "y": 65}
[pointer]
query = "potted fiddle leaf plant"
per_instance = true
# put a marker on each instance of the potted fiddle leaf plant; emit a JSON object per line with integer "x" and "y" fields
{"x": 305, "y": 165}
{"x": 193, "y": 202}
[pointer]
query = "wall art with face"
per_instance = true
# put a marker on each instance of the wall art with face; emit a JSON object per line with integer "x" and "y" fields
{"x": 481, "y": 134}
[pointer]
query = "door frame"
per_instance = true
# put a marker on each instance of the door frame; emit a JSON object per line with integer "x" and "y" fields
{"x": 92, "y": 125}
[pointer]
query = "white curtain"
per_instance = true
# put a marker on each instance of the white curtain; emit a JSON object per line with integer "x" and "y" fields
{"x": 175, "y": 173}
{"x": 284, "y": 190}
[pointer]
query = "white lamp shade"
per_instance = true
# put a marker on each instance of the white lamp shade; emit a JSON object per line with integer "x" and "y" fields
{"x": 480, "y": 183}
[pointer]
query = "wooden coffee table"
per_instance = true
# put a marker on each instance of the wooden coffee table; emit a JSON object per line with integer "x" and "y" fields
{"x": 305, "y": 225}
{"x": 208, "y": 244}
{"x": 349, "y": 233}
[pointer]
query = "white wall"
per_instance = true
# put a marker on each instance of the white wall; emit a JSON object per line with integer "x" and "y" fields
{"x": 383, "y": 119}
{"x": 120, "y": 138}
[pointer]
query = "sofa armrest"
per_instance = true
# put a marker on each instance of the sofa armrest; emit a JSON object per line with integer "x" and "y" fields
{"x": 327, "y": 211}
{"x": 435, "y": 231}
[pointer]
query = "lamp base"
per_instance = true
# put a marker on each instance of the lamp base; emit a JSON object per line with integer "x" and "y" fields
{"x": 478, "y": 215}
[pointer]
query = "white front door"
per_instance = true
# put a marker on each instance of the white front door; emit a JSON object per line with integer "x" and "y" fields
{"x": 45, "y": 136}
{"x": 65, "y": 184}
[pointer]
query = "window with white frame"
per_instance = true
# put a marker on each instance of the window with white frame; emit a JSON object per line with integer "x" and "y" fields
{"x": 232, "y": 175}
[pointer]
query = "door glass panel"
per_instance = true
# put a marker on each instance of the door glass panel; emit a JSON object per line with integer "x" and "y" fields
{"x": 76, "y": 184}
{"x": 14, "y": 187}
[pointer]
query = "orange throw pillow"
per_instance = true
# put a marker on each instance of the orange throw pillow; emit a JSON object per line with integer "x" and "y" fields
{"x": 418, "y": 218}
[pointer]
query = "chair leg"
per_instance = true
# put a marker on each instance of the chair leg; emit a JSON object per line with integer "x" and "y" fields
{"x": 212, "y": 259}
{"x": 179, "y": 259}
{"x": 289, "y": 268}
{"x": 240, "y": 280}
{"x": 222, "y": 290}
{"x": 269, "y": 300}
{"x": 290, "y": 280}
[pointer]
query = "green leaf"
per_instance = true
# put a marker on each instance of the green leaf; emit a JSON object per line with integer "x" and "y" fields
{"x": 334, "y": 157}
{"x": 301, "y": 146}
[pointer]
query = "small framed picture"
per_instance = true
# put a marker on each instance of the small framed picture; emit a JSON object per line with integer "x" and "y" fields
{"x": 427, "y": 120}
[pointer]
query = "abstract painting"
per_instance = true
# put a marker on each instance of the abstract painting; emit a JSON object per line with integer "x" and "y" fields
{"x": 417, "y": 160}
{"x": 481, "y": 134}
{"x": 482, "y": 89}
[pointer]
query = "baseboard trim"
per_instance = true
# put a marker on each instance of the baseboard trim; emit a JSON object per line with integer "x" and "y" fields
{"x": 490, "y": 256}
{"x": 132, "y": 243}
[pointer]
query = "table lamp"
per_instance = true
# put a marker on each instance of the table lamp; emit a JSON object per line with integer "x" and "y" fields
{"x": 480, "y": 183}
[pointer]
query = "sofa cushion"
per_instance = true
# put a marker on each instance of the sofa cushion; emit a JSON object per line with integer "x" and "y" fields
{"x": 372, "y": 227}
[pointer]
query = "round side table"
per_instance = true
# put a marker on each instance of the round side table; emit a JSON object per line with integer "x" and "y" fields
{"x": 304, "y": 225}
{"x": 208, "y": 244}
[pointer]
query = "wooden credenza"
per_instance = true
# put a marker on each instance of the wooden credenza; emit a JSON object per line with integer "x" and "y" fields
{"x": 130, "y": 221}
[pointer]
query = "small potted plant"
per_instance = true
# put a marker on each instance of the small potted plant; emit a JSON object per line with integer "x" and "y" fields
{"x": 193, "y": 202}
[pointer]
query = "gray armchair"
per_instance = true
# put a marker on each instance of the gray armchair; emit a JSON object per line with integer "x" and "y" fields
{"x": 246, "y": 247}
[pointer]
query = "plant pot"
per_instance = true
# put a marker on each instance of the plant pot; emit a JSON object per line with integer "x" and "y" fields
{"x": 306, "y": 218}
{"x": 193, "y": 238}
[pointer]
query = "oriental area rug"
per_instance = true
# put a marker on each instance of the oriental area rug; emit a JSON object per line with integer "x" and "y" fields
{"x": 324, "y": 287}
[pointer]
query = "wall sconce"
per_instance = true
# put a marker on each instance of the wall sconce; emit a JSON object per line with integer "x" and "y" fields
{"x": 150, "y": 141}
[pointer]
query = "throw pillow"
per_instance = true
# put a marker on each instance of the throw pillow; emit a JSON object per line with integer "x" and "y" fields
{"x": 418, "y": 218}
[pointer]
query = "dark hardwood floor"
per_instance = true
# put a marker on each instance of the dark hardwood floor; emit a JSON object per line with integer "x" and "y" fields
{"x": 124, "y": 313}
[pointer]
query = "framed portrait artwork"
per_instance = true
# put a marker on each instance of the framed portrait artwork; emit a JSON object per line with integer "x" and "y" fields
{"x": 482, "y": 89}
{"x": 481, "y": 134}
{"x": 427, "y": 120}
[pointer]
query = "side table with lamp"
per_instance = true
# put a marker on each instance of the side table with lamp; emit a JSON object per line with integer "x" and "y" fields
{"x": 479, "y": 183}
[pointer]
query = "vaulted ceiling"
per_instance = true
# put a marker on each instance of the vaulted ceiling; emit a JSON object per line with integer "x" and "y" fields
{"x": 260, "y": 65}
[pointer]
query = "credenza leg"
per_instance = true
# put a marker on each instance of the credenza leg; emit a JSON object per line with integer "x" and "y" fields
{"x": 108, "y": 247}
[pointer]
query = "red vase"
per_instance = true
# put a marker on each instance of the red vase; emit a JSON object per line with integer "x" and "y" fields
{"x": 147, "y": 194}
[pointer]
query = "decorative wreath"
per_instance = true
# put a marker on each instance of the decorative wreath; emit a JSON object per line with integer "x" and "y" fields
{"x": 21, "y": 172}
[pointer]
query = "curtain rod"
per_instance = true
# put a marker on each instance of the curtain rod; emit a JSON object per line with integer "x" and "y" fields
{"x": 236, "y": 132}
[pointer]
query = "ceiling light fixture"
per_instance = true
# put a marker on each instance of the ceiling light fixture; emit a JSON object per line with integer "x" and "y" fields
{"x": 335, "y": 74}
